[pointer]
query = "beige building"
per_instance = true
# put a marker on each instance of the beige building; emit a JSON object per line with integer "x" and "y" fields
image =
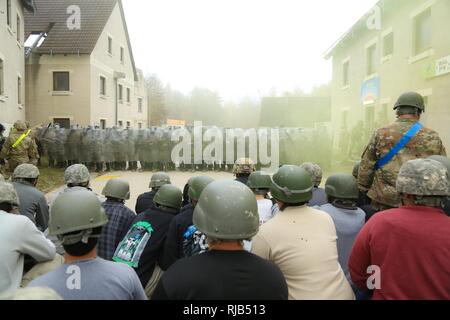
{"x": 399, "y": 46}
{"x": 12, "y": 60}
{"x": 81, "y": 68}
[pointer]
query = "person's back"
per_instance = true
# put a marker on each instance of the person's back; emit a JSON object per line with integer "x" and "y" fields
{"x": 19, "y": 236}
{"x": 302, "y": 242}
{"x": 348, "y": 224}
{"x": 144, "y": 202}
{"x": 411, "y": 246}
{"x": 265, "y": 210}
{"x": 319, "y": 197}
{"x": 94, "y": 279}
{"x": 33, "y": 204}
{"x": 222, "y": 275}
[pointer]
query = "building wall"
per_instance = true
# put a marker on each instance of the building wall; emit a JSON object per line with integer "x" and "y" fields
{"x": 43, "y": 104}
{"x": 400, "y": 73}
{"x": 105, "y": 64}
{"x": 12, "y": 54}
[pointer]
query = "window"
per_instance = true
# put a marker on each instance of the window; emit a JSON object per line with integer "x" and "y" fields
{"x": 140, "y": 105}
{"x": 102, "y": 86}
{"x": 19, "y": 90}
{"x": 8, "y": 13}
{"x": 345, "y": 74}
{"x": 120, "y": 123}
{"x": 63, "y": 122}
{"x": 110, "y": 45}
{"x": 122, "y": 55}
{"x": 422, "y": 32}
{"x": 140, "y": 125}
{"x": 128, "y": 95}
{"x": 19, "y": 29}
{"x": 388, "y": 45}
{"x": 371, "y": 59}
{"x": 102, "y": 123}
{"x": 120, "y": 92}
{"x": 2, "y": 92}
{"x": 128, "y": 124}
{"x": 61, "y": 81}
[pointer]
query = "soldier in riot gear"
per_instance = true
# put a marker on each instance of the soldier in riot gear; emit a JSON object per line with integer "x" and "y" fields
{"x": 387, "y": 151}
{"x": 342, "y": 195}
{"x": 183, "y": 239}
{"x": 416, "y": 233}
{"x": 145, "y": 200}
{"x": 314, "y": 273}
{"x": 227, "y": 214}
{"x": 77, "y": 219}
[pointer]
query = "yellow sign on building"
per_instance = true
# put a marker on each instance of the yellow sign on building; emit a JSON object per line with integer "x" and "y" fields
{"x": 173, "y": 122}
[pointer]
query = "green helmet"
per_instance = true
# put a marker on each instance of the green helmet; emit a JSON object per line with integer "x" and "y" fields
{"x": 291, "y": 184}
{"x": 244, "y": 166}
{"x": 356, "y": 169}
{"x": 159, "y": 179}
{"x": 74, "y": 211}
{"x": 315, "y": 171}
{"x": 443, "y": 160}
{"x": 117, "y": 188}
{"x": 77, "y": 174}
{"x": 26, "y": 171}
{"x": 227, "y": 210}
{"x": 196, "y": 186}
{"x": 169, "y": 196}
{"x": 259, "y": 181}
{"x": 421, "y": 177}
{"x": 342, "y": 186}
{"x": 410, "y": 99}
{"x": 8, "y": 194}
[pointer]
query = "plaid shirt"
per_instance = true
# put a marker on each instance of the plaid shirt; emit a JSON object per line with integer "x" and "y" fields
{"x": 119, "y": 218}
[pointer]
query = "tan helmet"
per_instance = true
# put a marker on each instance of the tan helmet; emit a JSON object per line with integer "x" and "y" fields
{"x": 244, "y": 166}
{"x": 77, "y": 174}
{"x": 8, "y": 194}
{"x": 26, "y": 171}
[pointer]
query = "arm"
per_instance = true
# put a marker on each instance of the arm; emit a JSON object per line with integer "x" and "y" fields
{"x": 35, "y": 244}
{"x": 367, "y": 167}
{"x": 260, "y": 247}
{"x": 360, "y": 258}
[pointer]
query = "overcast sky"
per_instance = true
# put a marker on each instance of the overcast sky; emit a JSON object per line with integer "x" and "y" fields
{"x": 239, "y": 47}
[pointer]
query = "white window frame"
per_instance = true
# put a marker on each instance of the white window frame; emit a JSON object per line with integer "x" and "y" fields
{"x": 414, "y": 14}
{"x": 140, "y": 106}
{"x": 102, "y": 95}
{"x": 112, "y": 45}
{"x": 122, "y": 55}
{"x": 120, "y": 93}
{"x": 19, "y": 28}
{"x": 384, "y": 34}
{"x": 373, "y": 42}
{"x": 61, "y": 93}
{"x": 128, "y": 95}
{"x": 345, "y": 86}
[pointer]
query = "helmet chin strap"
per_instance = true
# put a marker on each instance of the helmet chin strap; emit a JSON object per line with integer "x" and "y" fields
{"x": 82, "y": 236}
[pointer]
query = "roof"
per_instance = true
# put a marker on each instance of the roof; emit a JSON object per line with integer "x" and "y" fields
{"x": 60, "y": 39}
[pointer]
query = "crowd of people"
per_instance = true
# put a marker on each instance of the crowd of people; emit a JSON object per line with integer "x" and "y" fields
{"x": 380, "y": 232}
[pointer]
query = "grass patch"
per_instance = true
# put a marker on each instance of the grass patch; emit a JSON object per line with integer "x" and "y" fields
{"x": 50, "y": 179}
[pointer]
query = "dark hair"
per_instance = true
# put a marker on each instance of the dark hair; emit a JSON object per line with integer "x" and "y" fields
{"x": 2, "y": 128}
{"x": 260, "y": 192}
{"x": 348, "y": 204}
{"x": 245, "y": 174}
{"x": 403, "y": 110}
{"x": 82, "y": 185}
{"x": 7, "y": 207}
{"x": 32, "y": 181}
{"x": 115, "y": 199}
{"x": 80, "y": 249}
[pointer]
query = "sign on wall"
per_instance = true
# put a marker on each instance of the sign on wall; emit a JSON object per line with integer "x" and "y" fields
{"x": 370, "y": 91}
{"x": 438, "y": 68}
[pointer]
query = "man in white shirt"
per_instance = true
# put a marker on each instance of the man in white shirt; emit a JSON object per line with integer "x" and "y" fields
{"x": 18, "y": 236}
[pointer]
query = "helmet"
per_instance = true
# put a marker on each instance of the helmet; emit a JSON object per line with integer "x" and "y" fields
{"x": 26, "y": 171}
{"x": 196, "y": 186}
{"x": 159, "y": 179}
{"x": 169, "y": 196}
{"x": 76, "y": 211}
{"x": 315, "y": 171}
{"x": 76, "y": 174}
{"x": 423, "y": 178}
{"x": 20, "y": 125}
{"x": 291, "y": 184}
{"x": 355, "y": 172}
{"x": 8, "y": 194}
{"x": 443, "y": 160}
{"x": 117, "y": 188}
{"x": 244, "y": 166}
{"x": 259, "y": 180}
{"x": 410, "y": 99}
{"x": 342, "y": 186}
{"x": 227, "y": 210}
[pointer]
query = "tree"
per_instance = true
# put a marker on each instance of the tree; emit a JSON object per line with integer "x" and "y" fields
{"x": 156, "y": 100}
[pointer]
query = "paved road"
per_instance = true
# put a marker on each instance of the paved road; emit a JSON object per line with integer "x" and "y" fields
{"x": 139, "y": 181}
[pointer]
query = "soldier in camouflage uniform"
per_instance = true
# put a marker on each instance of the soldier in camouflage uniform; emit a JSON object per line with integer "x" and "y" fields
{"x": 243, "y": 168}
{"x": 319, "y": 196}
{"x": 19, "y": 148}
{"x": 380, "y": 184}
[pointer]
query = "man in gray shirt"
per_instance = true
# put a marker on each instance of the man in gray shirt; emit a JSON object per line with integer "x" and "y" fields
{"x": 342, "y": 193}
{"x": 32, "y": 202}
{"x": 77, "y": 220}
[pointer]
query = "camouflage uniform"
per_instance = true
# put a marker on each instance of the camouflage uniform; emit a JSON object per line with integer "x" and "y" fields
{"x": 25, "y": 152}
{"x": 381, "y": 183}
